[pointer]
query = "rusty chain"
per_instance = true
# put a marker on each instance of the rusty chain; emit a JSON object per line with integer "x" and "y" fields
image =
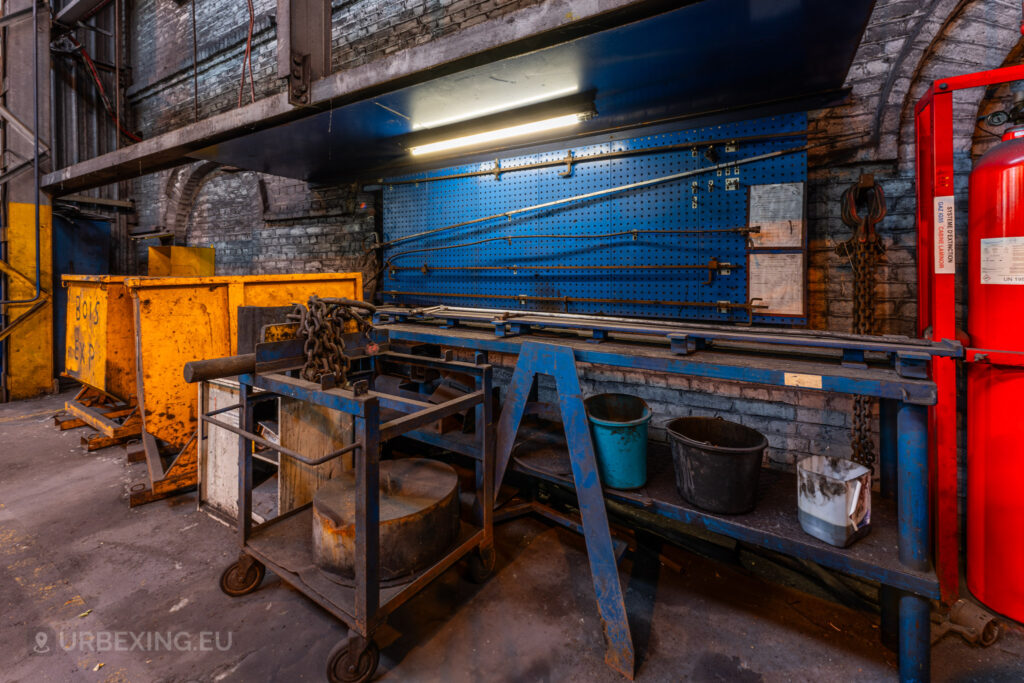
{"x": 863, "y": 250}
{"x": 322, "y": 323}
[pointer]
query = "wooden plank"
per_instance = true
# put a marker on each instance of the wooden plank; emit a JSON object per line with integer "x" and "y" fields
{"x": 218, "y": 454}
{"x": 313, "y": 431}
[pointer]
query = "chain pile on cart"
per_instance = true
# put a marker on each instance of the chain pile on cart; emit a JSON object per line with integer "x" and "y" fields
{"x": 323, "y": 323}
{"x": 863, "y": 250}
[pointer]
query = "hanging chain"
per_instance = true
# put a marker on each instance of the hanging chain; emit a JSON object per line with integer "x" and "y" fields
{"x": 863, "y": 250}
{"x": 322, "y": 323}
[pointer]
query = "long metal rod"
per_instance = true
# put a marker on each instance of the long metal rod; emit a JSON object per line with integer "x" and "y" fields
{"x": 576, "y": 299}
{"x": 278, "y": 447}
{"x": 508, "y": 315}
{"x": 597, "y": 193}
{"x": 699, "y": 266}
{"x": 571, "y": 160}
{"x": 748, "y": 230}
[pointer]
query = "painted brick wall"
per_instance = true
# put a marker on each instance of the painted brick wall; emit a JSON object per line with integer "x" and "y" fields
{"x": 265, "y": 224}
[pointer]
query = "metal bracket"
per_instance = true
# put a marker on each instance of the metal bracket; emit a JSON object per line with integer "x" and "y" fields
{"x": 912, "y": 365}
{"x": 298, "y": 80}
{"x": 685, "y": 344}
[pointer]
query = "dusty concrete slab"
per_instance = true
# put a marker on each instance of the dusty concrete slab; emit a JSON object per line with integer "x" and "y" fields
{"x": 76, "y": 562}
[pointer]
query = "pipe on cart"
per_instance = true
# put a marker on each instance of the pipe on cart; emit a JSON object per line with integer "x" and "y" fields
{"x": 216, "y": 368}
{"x": 278, "y": 447}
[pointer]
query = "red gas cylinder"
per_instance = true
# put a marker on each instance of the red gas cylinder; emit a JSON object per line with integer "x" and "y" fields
{"x": 995, "y": 393}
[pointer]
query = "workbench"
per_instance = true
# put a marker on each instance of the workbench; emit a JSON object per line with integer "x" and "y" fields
{"x": 897, "y": 552}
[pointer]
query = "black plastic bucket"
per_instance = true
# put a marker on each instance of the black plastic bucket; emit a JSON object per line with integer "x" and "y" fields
{"x": 717, "y": 463}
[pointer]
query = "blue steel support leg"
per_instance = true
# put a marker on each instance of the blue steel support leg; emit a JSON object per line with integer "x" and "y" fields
{"x": 367, "y": 523}
{"x": 914, "y": 539}
{"x": 915, "y": 639}
{"x": 603, "y": 561}
{"x": 513, "y": 409}
{"x": 912, "y": 503}
{"x": 888, "y": 409}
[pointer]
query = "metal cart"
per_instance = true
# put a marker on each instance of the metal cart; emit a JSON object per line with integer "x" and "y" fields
{"x": 285, "y": 544}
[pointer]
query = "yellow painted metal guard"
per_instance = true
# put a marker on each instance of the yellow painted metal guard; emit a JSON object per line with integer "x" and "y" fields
{"x": 30, "y": 344}
{"x": 100, "y": 345}
{"x": 182, "y": 319}
{"x": 181, "y": 261}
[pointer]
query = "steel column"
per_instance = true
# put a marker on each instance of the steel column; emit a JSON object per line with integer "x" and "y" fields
{"x": 485, "y": 467}
{"x": 367, "y": 564}
{"x": 915, "y": 639}
{"x": 245, "y": 421}
{"x": 912, "y": 501}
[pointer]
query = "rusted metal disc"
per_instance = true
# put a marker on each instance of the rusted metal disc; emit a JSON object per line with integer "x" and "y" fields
{"x": 419, "y": 519}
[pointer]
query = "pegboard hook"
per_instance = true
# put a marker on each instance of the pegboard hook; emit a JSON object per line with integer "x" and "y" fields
{"x": 569, "y": 163}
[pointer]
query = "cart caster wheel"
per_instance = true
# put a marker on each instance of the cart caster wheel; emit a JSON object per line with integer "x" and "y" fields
{"x": 238, "y": 580}
{"x": 481, "y": 564}
{"x": 337, "y": 664}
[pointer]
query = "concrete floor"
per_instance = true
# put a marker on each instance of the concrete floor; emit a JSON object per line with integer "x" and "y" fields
{"x": 76, "y": 561}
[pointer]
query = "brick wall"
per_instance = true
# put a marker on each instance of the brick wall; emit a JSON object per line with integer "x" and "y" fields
{"x": 265, "y": 224}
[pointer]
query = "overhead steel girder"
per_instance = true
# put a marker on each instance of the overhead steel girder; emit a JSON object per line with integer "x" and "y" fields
{"x": 525, "y": 30}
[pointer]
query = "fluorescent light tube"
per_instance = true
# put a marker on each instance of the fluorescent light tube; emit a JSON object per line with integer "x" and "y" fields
{"x": 499, "y": 134}
{"x": 497, "y": 108}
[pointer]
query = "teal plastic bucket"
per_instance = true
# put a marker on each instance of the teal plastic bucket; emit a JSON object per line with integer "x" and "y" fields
{"x": 618, "y": 424}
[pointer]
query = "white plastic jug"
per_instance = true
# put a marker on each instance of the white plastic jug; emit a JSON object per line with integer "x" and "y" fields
{"x": 834, "y": 499}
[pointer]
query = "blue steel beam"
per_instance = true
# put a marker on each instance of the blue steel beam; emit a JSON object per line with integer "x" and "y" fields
{"x": 735, "y": 367}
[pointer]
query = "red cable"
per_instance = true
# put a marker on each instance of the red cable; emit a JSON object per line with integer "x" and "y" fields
{"x": 247, "y": 59}
{"x": 103, "y": 93}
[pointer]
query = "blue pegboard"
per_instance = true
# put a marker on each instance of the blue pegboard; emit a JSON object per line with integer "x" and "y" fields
{"x": 413, "y": 208}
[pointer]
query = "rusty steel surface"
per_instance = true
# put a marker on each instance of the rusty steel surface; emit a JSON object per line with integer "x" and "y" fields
{"x": 181, "y": 261}
{"x": 192, "y": 318}
{"x": 99, "y": 349}
{"x": 419, "y": 518}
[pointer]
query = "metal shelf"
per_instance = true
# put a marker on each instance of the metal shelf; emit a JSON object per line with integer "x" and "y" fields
{"x": 285, "y": 545}
{"x": 542, "y": 452}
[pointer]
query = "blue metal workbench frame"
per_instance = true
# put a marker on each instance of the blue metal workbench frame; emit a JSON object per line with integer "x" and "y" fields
{"x": 908, "y": 582}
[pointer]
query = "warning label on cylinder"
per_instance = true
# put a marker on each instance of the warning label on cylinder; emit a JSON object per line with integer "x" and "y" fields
{"x": 945, "y": 235}
{"x": 1002, "y": 261}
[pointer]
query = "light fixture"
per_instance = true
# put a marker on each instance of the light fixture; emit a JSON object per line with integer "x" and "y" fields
{"x": 497, "y": 108}
{"x": 559, "y": 113}
{"x": 499, "y": 134}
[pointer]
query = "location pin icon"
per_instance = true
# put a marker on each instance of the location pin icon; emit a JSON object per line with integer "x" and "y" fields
{"x": 41, "y": 638}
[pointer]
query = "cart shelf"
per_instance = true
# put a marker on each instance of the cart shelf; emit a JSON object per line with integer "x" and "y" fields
{"x": 285, "y": 545}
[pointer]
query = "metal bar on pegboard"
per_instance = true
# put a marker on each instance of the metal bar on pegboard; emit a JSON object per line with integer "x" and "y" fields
{"x": 571, "y": 159}
{"x": 566, "y": 300}
{"x": 597, "y": 193}
{"x": 747, "y": 230}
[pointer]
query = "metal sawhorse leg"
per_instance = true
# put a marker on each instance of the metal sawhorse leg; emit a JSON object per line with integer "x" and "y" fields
{"x": 560, "y": 363}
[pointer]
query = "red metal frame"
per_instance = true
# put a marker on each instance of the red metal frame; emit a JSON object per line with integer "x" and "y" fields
{"x": 936, "y": 297}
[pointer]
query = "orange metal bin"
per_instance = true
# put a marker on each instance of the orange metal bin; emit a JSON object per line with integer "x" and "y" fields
{"x": 183, "y": 319}
{"x": 99, "y": 353}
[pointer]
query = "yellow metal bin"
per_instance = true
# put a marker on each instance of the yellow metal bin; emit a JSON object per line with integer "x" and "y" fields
{"x": 100, "y": 353}
{"x": 181, "y": 261}
{"x": 178, "y": 320}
